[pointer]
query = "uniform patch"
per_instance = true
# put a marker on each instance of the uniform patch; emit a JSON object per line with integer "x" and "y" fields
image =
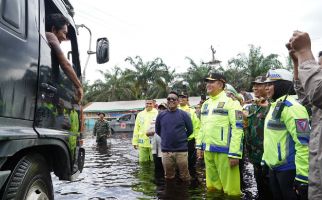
{"x": 302, "y": 125}
{"x": 221, "y": 105}
{"x": 239, "y": 115}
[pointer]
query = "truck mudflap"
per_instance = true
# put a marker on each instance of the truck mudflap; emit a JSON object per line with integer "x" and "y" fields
{"x": 79, "y": 164}
{"x": 81, "y": 158}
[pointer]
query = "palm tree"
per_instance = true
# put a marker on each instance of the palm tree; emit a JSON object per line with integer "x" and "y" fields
{"x": 195, "y": 77}
{"x": 253, "y": 65}
{"x": 149, "y": 78}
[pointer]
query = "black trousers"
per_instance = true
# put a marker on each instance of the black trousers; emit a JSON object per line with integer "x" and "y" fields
{"x": 192, "y": 157}
{"x": 262, "y": 182}
{"x": 281, "y": 184}
{"x": 158, "y": 167}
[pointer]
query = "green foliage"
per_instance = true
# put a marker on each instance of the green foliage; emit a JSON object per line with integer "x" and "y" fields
{"x": 154, "y": 79}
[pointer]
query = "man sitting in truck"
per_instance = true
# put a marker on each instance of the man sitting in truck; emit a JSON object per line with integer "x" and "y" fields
{"x": 56, "y": 32}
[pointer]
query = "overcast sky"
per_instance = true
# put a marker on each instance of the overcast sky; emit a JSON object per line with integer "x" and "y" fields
{"x": 175, "y": 29}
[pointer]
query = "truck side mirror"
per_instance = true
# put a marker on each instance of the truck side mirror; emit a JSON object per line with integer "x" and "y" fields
{"x": 102, "y": 50}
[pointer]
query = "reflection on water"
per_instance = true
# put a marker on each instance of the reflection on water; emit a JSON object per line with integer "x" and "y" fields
{"x": 113, "y": 172}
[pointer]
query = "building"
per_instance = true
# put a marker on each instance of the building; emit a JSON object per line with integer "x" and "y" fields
{"x": 115, "y": 109}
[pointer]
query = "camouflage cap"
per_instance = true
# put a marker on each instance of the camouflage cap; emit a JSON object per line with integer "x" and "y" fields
{"x": 101, "y": 113}
{"x": 259, "y": 79}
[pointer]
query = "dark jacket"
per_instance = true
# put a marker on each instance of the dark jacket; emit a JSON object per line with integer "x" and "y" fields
{"x": 174, "y": 127}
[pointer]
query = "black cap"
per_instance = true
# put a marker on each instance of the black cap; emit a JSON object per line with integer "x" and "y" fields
{"x": 216, "y": 76}
{"x": 183, "y": 94}
{"x": 101, "y": 113}
{"x": 259, "y": 79}
{"x": 164, "y": 105}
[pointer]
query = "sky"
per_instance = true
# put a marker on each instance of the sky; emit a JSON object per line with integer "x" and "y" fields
{"x": 176, "y": 29}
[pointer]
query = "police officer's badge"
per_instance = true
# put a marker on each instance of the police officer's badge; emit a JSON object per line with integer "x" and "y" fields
{"x": 302, "y": 125}
{"x": 221, "y": 105}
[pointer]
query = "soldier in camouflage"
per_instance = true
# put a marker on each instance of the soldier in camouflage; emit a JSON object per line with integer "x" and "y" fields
{"x": 254, "y": 136}
{"x": 101, "y": 130}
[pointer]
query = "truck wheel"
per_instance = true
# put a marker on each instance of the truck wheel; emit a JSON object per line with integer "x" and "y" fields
{"x": 30, "y": 180}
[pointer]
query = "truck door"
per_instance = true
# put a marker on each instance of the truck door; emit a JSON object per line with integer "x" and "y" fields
{"x": 56, "y": 102}
{"x": 19, "y": 48}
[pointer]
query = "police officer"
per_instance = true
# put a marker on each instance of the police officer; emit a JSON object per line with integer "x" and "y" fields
{"x": 220, "y": 137}
{"x": 192, "y": 157}
{"x": 101, "y": 129}
{"x": 254, "y": 137}
{"x": 286, "y": 138}
{"x": 142, "y": 124}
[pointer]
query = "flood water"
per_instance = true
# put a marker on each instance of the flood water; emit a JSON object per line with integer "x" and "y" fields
{"x": 113, "y": 172}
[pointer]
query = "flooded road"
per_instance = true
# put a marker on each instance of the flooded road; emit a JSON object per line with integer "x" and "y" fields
{"x": 113, "y": 172}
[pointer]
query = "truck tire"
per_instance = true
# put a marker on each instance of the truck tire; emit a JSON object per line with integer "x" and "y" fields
{"x": 30, "y": 180}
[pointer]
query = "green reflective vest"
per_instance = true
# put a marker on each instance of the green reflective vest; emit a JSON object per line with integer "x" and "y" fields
{"x": 142, "y": 124}
{"x": 286, "y": 138}
{"x": 195, "y": 120}
{"x": 221, "y": 127}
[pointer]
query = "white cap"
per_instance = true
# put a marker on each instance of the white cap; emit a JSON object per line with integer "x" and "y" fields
{"x": 278, "y": 74}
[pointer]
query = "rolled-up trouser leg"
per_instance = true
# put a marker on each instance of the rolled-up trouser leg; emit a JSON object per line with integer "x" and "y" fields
{"x": 220, "y": 175}
{"x": 145, "y": 154}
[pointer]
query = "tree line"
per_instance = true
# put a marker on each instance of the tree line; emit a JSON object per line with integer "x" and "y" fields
{"x": 154, "y": 79}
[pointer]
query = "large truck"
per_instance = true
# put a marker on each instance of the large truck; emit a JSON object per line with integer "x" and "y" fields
{"x": 39, "y": 114}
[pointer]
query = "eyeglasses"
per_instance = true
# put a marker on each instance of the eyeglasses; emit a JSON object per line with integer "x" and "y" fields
{"x": 172, "y": 99}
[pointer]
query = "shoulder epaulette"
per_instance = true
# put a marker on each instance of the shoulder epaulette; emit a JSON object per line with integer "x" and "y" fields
{"x": 288, "y": 103}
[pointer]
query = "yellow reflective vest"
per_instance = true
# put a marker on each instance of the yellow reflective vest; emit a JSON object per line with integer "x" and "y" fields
{"x": 195, "y": 120}
{"x": 142, "y": 124}
{"x": 221, "y": 127}
{"x": 286, "y": 138}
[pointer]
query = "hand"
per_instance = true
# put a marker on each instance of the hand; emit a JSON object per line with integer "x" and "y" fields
{"x": 199, "y": 154}
{"x": 301, "y": 189}
{"x": 263, "y": 103}
{"x": 233, "y": 162}
{"x": 135, "y": 146}
{"x": 149, "y": 133}
{"x": 79, "y": 94}
{"x": 300, "y": 44}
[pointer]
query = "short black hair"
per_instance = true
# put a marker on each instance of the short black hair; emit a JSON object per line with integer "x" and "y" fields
{"x": 56, "y": 20}
{"x": 320, "y": 53}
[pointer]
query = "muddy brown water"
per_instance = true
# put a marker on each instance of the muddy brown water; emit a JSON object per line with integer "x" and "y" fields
{"x": 113, "y": 172}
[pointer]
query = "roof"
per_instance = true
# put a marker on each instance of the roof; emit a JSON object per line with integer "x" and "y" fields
{"x": 116, "y": 106}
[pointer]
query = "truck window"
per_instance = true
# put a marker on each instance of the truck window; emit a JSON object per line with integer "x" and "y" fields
{"x": 13, "y": 16}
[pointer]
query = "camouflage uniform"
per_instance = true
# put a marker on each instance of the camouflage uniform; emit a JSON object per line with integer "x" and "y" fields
{"x": 101, "y": 131}
{"x": 254, "y": 136}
